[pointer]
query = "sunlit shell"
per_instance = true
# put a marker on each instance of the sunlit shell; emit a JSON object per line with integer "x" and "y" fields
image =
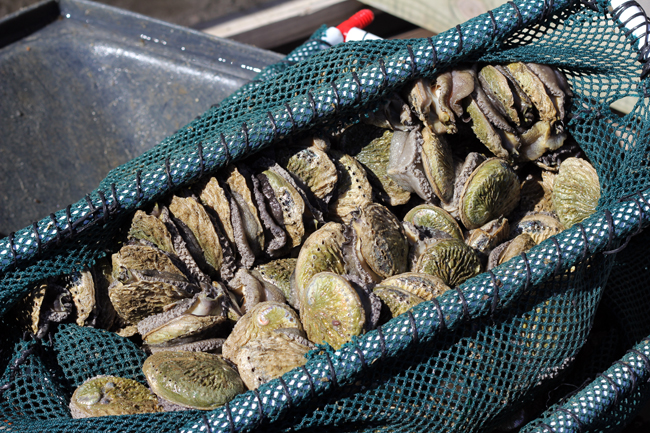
{"x": 485, "y": 131}
{"x": 539, "y": 139}
{"x": 353, "y": 190}
{"x": 488, "y": 236}
{"x": 321, "y": 252}
{"x": 438, "y": 165}
{"x": 151, "y": 229}
{"x": 371, "y": 147}
{"x": 141, "y": 258}
{"x": 491, "y": 191}
{"x": 193, "y": 215}
{"x": 243, "y": 199}
{"x": 194, "y": 380}
{"x": 214, "y": 197}
{"x": 539, "y": 226}
{"x": 521, "y": 243}
{"x": 203, "y": 314}
{"x": 269, "y": 357}
{"x": 381, "y": 243}
{"x": 315, "y": 169}
{"x": 110, "y": 395}
{"x": 425, "y": 286}
{"x": 496, "y": 86}
{"x": 82, "y": 289}
{"x": 262, "y": 319}
{"x": 522, "y": 102}
{"x": 137, "y": 300}
{"x": 534, "y": 88}
{"x": 576, "y": 191}
{"x": 278, "y": 272}
{"x": 292, "y": 206}
{"x": 507, "y": 250}
{"x": 434, "y": 217}
{"x": 397, "y": 300}
{"x": 451, "y": 260}
{"x": 250, "y": 291}
{"x": 331, "y": 310}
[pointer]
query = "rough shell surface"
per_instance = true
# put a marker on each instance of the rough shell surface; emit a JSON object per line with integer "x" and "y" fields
{"x": 434, "y": 217}
{"x": 269, "y": 357}
{"x": 261, "y": 320}
{"x": 422, "y": 285}
{"x": 151, "y": 229}
{"x": 451, "y": 260}
{"x": 576, "y": 191}
{"x": 315, "y": 169}
{"x": 194, "y": 380}
{"x": 110, "y": 395}
{"x": 381, "y": 243}
{"x": 539, "y": 226}
{"x": 397, "y": 300}
{"x": 353, "y": 189}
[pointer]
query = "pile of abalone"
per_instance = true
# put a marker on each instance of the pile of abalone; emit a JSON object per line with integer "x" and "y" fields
{"x": 230, "y": 282}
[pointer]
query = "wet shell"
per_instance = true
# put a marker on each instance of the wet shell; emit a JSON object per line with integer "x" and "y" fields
{"x": 496, "y": 86}
{"x": 315, "y": 169}
{"x": 488, "y": 236}
{"x": 203, "y": 314}
{"x": 261, "y": 320}
{"x": 277, "y": 272}
{"x": 451, "y": 260}
{"x": 534, "y": 88}
{"x": 82, "y": 289}
{"x": 321, "y": 252}
{"x": 353, "y": 190}
{"x": 433, "y": 217}
{"x": 193, "y": 215}
{"x": 110, "y": 395}
{"x": 135, "y": 301}
{"x": 151, "y": 229}
{"x": 438, "y": 165}
{"x": 292, "y": 205}
{"x": 214, "y": 197}
{"x": 381, "y": 243}
{"x": 371, "y": 147}
{"x": 267, "y": 358}
{"x": 539, "y": 226}
{"x": 576, "y": 191}
{"x": 397, "y": 300}
{"x": 243, "y": 199}
{"x": 422, "y": 285}
{"x": 194, "y": 380}
{"x": 491, "y": 191}
{"x": 139, "y": 257}
{"x": 518, "y": 245}
{"x": 538, "y": 140}
{"x": 331, "y": 310}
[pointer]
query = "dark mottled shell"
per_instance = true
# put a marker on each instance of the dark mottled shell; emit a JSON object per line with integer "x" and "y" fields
{"x": 397, "y": 300}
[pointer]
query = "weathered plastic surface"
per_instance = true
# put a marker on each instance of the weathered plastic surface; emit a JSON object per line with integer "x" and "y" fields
{"x": 85, "y": 87}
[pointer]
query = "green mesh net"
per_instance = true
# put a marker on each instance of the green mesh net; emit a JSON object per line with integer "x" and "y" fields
{"x": 465, "y": 362}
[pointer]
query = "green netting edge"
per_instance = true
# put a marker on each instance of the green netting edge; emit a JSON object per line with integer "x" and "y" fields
{"x": 619, "y": 391}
